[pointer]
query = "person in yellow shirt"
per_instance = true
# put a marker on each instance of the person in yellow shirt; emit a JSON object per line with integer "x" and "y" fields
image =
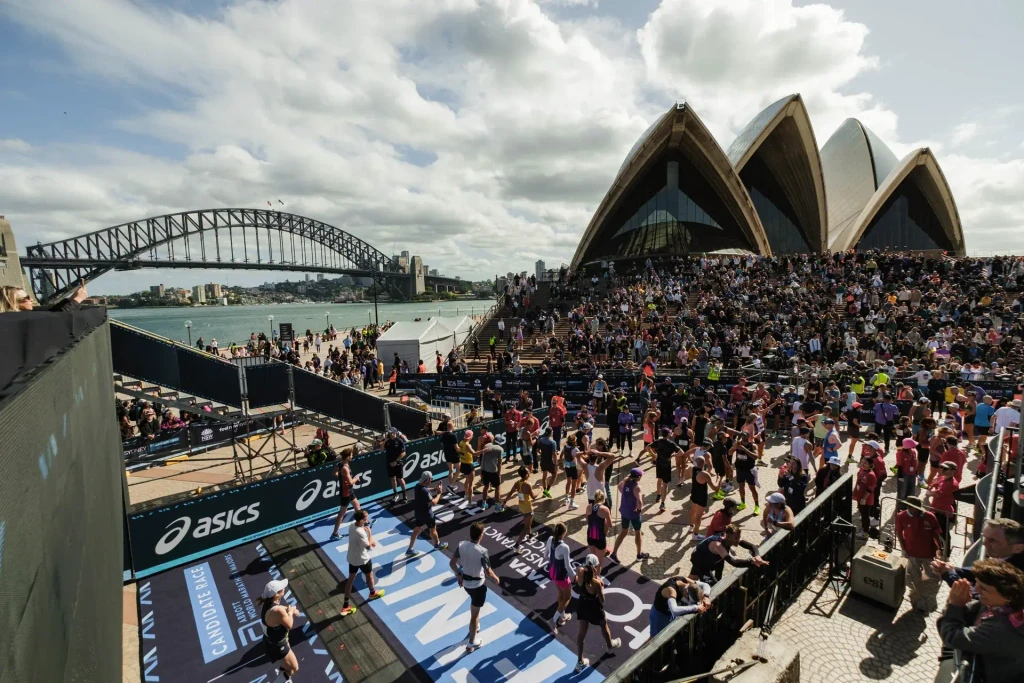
{"x": 523, "y": 489}
{"x": 467, "y": 455}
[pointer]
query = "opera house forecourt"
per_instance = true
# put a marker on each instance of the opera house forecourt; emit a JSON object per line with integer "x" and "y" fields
{"x": 772, "y": 192}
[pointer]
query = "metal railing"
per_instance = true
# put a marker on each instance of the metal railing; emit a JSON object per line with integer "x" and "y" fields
{"x": 692, "y": 644}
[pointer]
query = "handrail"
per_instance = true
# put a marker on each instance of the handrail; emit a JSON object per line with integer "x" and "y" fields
{"x": 487, "y": 317}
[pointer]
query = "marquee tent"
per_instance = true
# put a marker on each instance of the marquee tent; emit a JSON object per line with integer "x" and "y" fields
{"x": 420, "y": 339}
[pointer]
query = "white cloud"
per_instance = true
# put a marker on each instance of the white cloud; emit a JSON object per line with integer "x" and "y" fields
{"x": 478, "y": 133}
{"x": 965, "y": 132}
{"x": 15, "y": 145}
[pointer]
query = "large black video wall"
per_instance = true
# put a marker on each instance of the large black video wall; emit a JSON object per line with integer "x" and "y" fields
{"x": 61, "y": 521}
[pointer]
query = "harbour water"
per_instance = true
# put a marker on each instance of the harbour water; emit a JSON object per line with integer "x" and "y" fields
{"x": 229, "y": 324}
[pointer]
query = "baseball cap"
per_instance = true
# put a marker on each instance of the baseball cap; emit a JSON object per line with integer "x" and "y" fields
{"x": 587, "y": 426}
{"x": 636, "y": 472}
{"x": 874, "y": 444}
{"x": 274, "y": 587}
{"x": 909, "y": 444}
{"x": 834, "y": 460}
{"x": 776, "y": 498}
{"x": 316, "y": 442}
{"x": 954, "y": 406}
{"x": 468, "y": 434}
{"x": 592, "y": 561}
{"x": 828, "y": 421}
{"x": 948, "y": 465}
{"x": 923, "y": 399}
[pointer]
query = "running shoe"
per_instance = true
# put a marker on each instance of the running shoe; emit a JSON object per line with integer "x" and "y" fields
{"x": 657, "y": 498}
{"x": 643, "y": 556}
{"x": 719, "y": 495}
{"x": 473, "y": 645}
{"x": 334, "y": 537}
{"x": 605, "y": 582}
{"x": 451, "y": 489}
{"x": 582, "y": 664}
{"x": 615, "y": 643}
{"x": 757, "y": 509}
{"x": 661, "y": 508}
{"x": 497, "y": 507}
{"x": 379, "y": 593}
{"x": 573, "y": 505}
{"x": 441, "y": 546}
{"x": 699, "y": 537}
{"x": 346, "y": 611}
{"x": 411, "y": 553}
{"x": 850, "y": 460}
{"x": 741, "y": 506}
{"x": 614, "y": 558}
{"x": 894, "y": 469}
{"x": 547, "y": 493}
{"x": 566, "y": 618}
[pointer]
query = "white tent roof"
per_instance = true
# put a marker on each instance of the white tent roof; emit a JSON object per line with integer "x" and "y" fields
{"x": 428, "y": 330}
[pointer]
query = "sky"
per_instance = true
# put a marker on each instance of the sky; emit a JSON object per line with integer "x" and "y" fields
{"x": 480, "y": 134}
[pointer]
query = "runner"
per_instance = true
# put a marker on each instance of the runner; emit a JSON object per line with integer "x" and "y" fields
{"x": 664, "y": 452}
{"x": 345, "y": 484}
{"x": 360, "y": 541}
{"x": 777, "y": 515}
{"x": 424, "y": 499}
{"x": 512, "y": 419}
{"x": 472, "y": 565}
{"x": 598, "y": 388}
{"x": 626, "y": 422}
{"x": 599, "y": 524}
{"x": 491, "y": 456}
{"x": 699, "y": 495}
{"x": 714, "y": 551}
{"x": 678, "y": 597}
{"x": 572, "y": 463}
{"x": 598, "y": 460}
{"x": 630, "y": 507}
{"x": 277, "y": 621}
{"x": 528, "y": 431}
{"x": 450, "y": 446}
{"x": 467, "y": 458}
{"x": 524, "y": 491}
{"x": 853, "y": 429}
{"x": 830, "y": 446}
{"x": 590, "y": 608}
{"x": 684, "y": 437}
{"x": 394, "y": 451}
{"x": 548, "y": 468}
{"x": 560, "y": 569}
{"x": 746, "y": 473}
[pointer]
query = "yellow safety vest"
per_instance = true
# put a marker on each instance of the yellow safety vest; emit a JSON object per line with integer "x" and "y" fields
{"x": 858, "y": 386}
{"x": 880, "y": 379}
{"x": 714, "y": 372}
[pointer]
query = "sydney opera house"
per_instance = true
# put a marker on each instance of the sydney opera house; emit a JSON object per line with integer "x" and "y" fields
{"x": 772, "y": 192}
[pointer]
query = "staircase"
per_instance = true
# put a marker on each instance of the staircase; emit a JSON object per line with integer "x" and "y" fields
{"x": 171, "y": 398}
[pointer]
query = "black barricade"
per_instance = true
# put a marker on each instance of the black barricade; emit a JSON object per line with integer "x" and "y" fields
{"x": 365, "y": 410}
{"x": 318, "y": 394}
{"x": 457, "y": 395}
{"x": 203, "y": 435}
{"x": 408, "y": 421}
{"x": 154, "y": 360}
{"x": 510, "y": 382}
{"x": 422, "y": 391}
{"x": 565, "y": 382}
{"x": 903, "y": 406}
{"x": 30, "y": 338}
{"x": 164, "y": 537}
{"x": 511, "y": 398}
{"x": 468, "y": 381}
{"x": 267, "y": 385}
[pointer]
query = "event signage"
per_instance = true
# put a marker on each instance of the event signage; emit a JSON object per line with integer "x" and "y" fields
{"x": 287, "y": 333}
{"x": 409, "y": 382}
{"x": 477, "y": 382}
{"x": 168, "y": 536}
{"x": 457, "y": 395}
{"x": 507, "y": 383}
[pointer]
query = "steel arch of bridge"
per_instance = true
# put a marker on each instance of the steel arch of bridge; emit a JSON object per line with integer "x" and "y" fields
{"x": 198, "y": 239}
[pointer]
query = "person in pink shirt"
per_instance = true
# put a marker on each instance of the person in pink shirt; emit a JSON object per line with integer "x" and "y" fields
{"x": 954, "y": 455}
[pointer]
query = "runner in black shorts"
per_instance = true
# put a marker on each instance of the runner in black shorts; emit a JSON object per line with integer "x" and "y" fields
{"x": 424, "y": 500}
{"x": 346, "y": 482}
{"x": 277, "y": 621}
{"x": 394, "y": 451}
{"x": 590, "y": 608}
{"x": 472, "y": 565}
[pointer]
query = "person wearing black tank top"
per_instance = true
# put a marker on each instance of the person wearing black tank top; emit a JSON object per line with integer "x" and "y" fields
{"x": 277, "y": 621}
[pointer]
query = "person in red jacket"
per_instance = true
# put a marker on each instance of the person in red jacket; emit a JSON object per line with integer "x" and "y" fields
{"x": 874, "y": 451}
{"x": 723, "y": 517}
{"x": 941, "y": 500}
{"x": 906, "y": 469}
{"x": 556, "y": 418}
{"x": 864, "y": 494}
{"x": 954, "y": 455}
{"x": 918, "y": 533}
{"x": 512, "y": 419}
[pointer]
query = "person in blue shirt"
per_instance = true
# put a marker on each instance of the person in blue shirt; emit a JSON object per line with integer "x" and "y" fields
{"x": 983, "y": 421}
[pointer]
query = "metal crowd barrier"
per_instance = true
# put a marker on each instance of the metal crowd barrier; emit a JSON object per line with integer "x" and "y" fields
{"x": 691, "y": 645}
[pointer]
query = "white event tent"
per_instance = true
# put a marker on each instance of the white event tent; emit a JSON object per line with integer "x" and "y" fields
{"x": 417, "y": 340}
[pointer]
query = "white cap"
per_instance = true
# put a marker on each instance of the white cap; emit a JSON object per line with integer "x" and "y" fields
{"x": 776, "y": 498}
{"x": 874, "y": 444}
{"x": 274, "y": 587}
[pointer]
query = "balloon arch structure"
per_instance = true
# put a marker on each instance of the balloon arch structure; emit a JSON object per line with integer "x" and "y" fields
{"x": 237, "y": 239}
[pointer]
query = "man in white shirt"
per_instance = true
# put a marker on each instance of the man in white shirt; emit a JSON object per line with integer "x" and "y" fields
{"x": 501, "y": 328}
{"x": 360, "y": 540}
{"x": 1007, "y": 415}
{"x": 472, "y": 565}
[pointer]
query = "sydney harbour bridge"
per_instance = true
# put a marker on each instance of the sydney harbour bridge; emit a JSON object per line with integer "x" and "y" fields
{"x": 225, "y": 239}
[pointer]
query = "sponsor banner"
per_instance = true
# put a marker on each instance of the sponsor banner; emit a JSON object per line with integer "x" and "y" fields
{"x": 221, "y": 637}
{"x": 468, "y": 381}
{"x": 169, "y": 536}
{"x": 425, "y": 610}
{"x": 423, "y": 391}
{"x": 409, "y": 382}
{"x": 457, "y": 395}
{"x": 566, "y": 382}
{"x": 287, "y": 333}
{"x": 213, "y": 433}
{"x": 511, "y": 383}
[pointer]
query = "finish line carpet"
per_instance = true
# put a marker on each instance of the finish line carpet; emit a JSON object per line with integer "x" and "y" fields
{"x": 200, "y": 623}
{"x": 428, "y": 613}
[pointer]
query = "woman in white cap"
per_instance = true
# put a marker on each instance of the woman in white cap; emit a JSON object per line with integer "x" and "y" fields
{"x": 590, "y": 608}
{"x": 277, "y": 621}
{"x": 777, "y": 515}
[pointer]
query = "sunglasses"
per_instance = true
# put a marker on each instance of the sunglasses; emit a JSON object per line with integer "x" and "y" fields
{"x": 23, "y": 299}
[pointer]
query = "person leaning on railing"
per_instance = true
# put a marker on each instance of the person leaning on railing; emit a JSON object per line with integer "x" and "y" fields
{"x": 991, "y": 628}
{"x": 15, "y": 299}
